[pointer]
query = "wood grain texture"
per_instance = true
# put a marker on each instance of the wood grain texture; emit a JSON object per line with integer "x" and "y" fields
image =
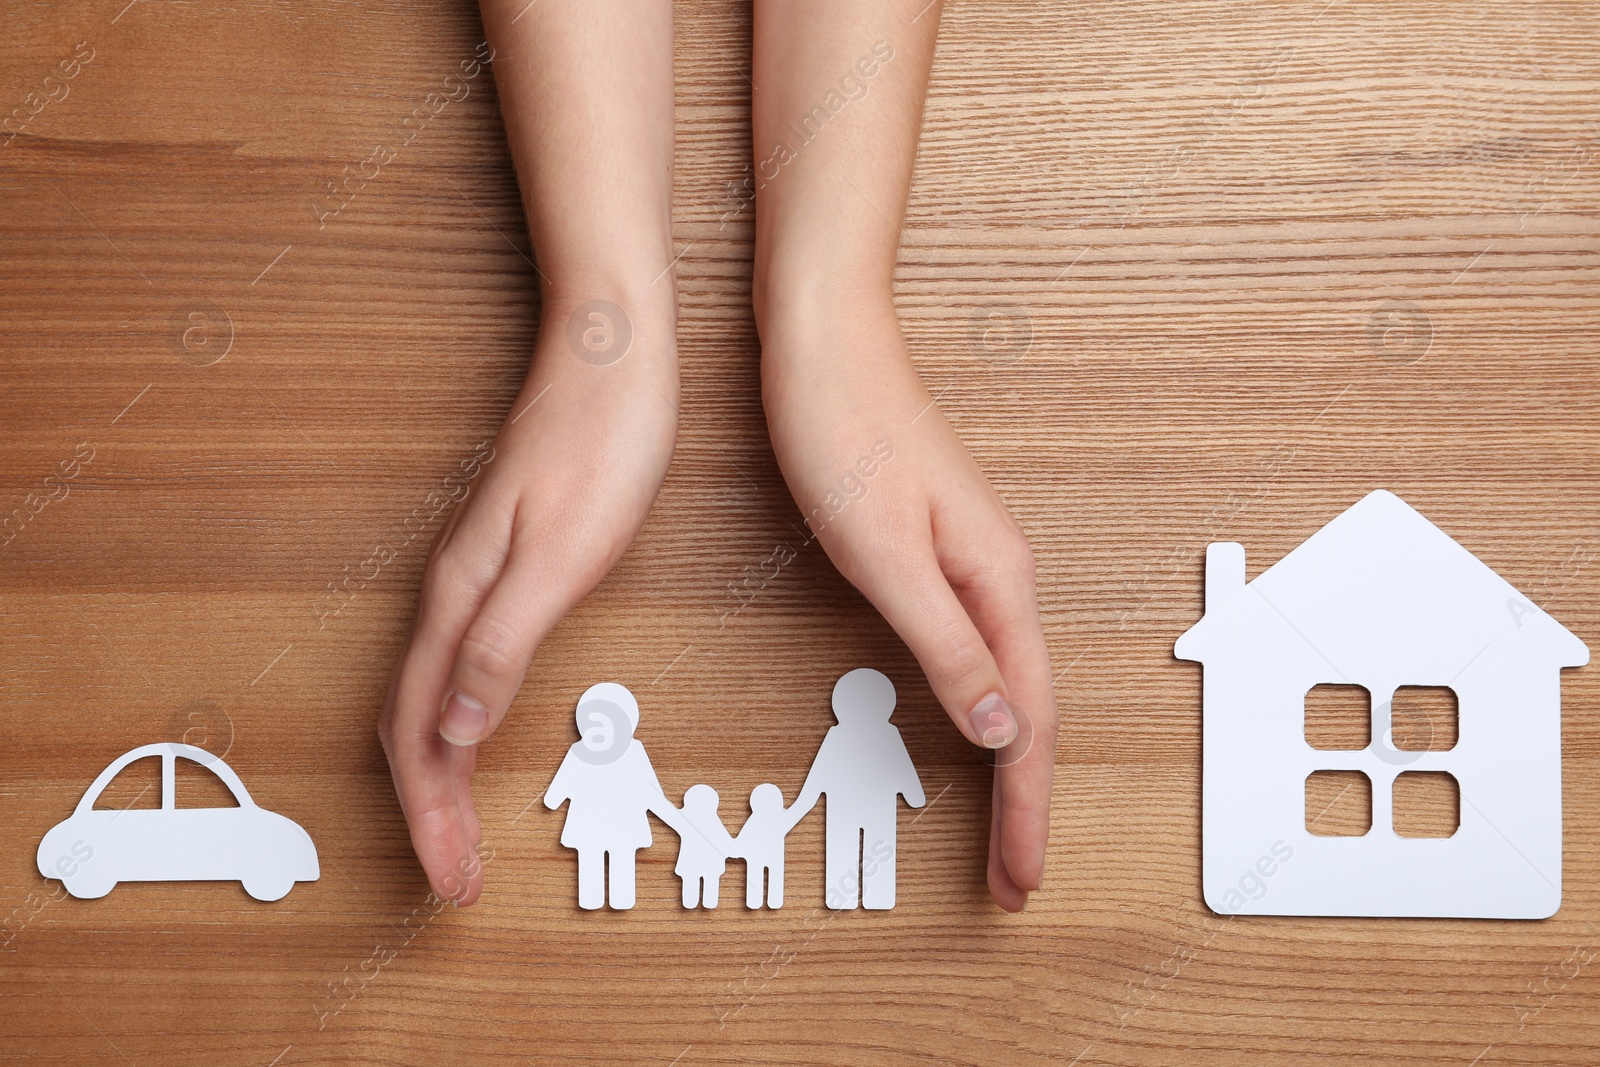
{"x": 1262, "y": 258}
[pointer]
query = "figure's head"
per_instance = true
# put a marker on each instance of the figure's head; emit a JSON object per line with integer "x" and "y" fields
{"x": 700, "y": 798}
{"x": 863, "y": 696}
{"x": 766, "y": 797}
{"x": 613, "y": 693}
{"x": 607, "y": 716}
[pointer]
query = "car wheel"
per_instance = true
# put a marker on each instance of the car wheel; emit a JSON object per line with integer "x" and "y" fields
{"x": 85, "y": 887}
{"x": 268, "y": 888}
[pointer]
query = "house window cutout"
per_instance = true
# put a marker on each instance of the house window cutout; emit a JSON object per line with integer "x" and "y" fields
{"x": 1427, "y": 804}
{"x": 1424, "y": 718}
{"x": 195, "y": 786}
{"x": 1338, "y": 718}
{"x": 1338, "y": 803}
{"x": 136, "y": 786}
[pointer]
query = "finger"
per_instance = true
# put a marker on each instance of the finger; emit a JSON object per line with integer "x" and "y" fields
{"x": 991, "y": 570}
{"x": 1005, "y": 891}
{"x": 431, "y": 777}
{"x": 498, "y": 645}
{"x": 908, "y": 588}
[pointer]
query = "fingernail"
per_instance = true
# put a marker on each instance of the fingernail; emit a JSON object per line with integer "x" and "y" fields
{"x": 463, "y": 720}
{"x": 993, "y": 722}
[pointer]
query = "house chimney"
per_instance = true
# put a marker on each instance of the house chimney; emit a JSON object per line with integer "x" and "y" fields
{"x": 1224, "y": 573}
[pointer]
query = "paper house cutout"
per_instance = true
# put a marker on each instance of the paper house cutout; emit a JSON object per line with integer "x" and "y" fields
{"x": 1382, "y": 598}
{"x": 92, "y": 850}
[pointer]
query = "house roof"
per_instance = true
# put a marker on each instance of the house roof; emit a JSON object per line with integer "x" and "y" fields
{"x": 1380, "y": 583}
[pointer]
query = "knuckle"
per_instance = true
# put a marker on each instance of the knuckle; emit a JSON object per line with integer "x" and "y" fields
{"x": 1019, "y": 553}
{"x": 454, "y": 574}
{"x": 490, "y": 648}
{"x": 443, "y": 577}
{"x": 965, "y": 660}
{"x": 893, "y": 545}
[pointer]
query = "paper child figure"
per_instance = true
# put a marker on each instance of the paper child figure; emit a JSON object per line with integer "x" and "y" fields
{"x": 703, "y": 847}
{"x": 608, "y": 778}
{"x": 760, "y": 842}
{"x": 864, "y": 768}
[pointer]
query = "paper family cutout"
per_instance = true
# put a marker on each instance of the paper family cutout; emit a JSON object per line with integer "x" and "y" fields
{"x": 1381, "y": 598}
{"x": 92, "y": 850}
{"x": 862, "y": 767}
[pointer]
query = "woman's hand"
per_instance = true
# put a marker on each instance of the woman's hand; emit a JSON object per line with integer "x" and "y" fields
{"x": 910, "y": 520}
{"x": 586, "y": 91}
{"x": 576, "y": 468}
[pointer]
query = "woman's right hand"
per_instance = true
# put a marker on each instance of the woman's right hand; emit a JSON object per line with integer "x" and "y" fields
{"x": 576, "y": 468}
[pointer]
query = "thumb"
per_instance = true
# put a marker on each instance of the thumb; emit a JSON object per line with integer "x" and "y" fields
{"x": 497, "y": 647}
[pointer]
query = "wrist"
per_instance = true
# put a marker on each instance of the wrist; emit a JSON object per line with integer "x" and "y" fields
{"x": 620, "y": 316}
{"x": 809, "y": 302}
{"x": 642, "y": 292}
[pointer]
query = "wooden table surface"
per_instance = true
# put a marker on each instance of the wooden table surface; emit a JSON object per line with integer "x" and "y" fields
{"x": 1179, "y": 272}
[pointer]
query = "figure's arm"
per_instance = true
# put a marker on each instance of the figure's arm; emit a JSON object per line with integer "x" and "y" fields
{"x": 910, "y": 783}
{"x": 796, "y": 812}
{"x": 727, "y": 842}
{"x": 664, "y": 809}
{"x": 586, "y": 90}
{"x": 925, "y": 538}
{"x": 672, "y": 816}
{"x": 560, "y": 789}
{"x": 814, "y": 784}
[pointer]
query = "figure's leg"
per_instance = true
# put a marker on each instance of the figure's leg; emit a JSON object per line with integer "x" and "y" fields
{"x": 591, "y": 879}
{"x": 622, "y": 879}
{"x": 775, "y": 883}
{"x": 877, "y": 865}
{"x": 843, "y": 865}
{"x": 691, "y": 891}
{"x": 713, "y": 883}
{"x": 753, "y": 873}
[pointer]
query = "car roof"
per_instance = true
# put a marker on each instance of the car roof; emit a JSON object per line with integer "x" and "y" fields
{"x": 169, "y": 750}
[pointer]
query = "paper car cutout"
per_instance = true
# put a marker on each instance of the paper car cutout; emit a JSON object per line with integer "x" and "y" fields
{"x": 1382, "y": 599}
{"x": 93, "y": 850}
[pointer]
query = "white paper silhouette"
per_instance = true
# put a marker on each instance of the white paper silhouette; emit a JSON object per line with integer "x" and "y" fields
{"x": 864, "y": 769}
{"x": 1382, "y": 598}
{"x": 760, "y": 843}
{"x": 92, "y": 850}
{"x": 703, "y": 849}
{"x": 607, "y": 777}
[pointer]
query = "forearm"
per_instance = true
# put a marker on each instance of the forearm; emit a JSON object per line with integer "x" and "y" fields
{"x": 836, "y": 118}
{"x": 586, "y": 90}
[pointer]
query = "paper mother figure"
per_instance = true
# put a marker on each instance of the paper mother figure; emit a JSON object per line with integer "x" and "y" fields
{"x": 612, "y": 788}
